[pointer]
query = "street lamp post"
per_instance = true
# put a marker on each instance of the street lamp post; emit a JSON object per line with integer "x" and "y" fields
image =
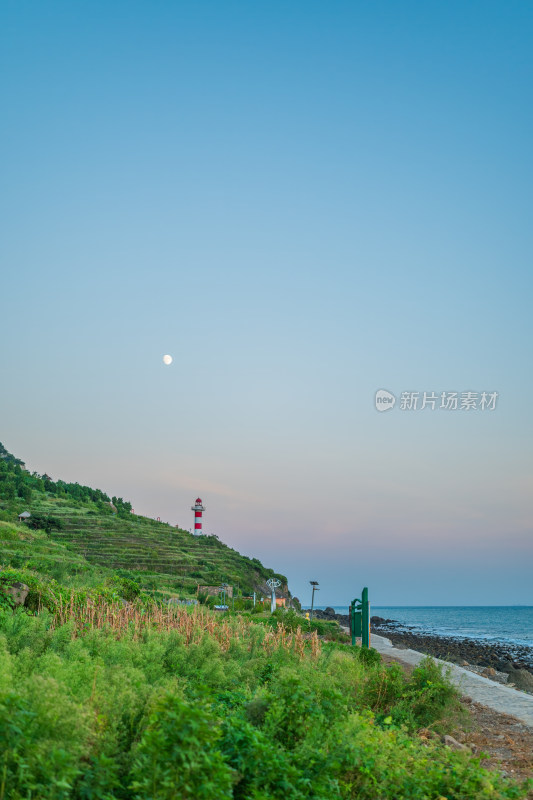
{"x": 273, "y": 583}
{"x": 314, "y": 584}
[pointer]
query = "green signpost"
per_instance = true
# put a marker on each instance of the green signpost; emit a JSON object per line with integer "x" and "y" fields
{"x": 360, "y": 619}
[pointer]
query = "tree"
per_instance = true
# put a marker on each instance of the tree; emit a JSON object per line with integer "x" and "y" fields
{"x": 44, "y": 522}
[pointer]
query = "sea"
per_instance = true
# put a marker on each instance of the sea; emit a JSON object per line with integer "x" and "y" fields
{"x": 507, "y": 624}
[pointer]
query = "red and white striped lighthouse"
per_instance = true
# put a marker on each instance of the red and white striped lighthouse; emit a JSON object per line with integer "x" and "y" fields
{"x": 198, "y": 509}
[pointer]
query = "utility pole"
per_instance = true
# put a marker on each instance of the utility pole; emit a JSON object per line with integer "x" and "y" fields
{"x": 314, "y": 584}
{"x": 223, "y": 589}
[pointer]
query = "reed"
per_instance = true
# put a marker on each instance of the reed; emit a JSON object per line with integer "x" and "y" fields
{"x": 193, "y": 624}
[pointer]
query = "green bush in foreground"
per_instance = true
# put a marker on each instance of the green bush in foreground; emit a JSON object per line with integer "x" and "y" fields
{"x": 290, "y": 620}
{"x": 177, "y": 755}
{"x": 113, "y": 717}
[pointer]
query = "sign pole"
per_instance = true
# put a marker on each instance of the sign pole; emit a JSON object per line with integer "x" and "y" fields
{"x": 360, "y": 619}
{"x": 365, "y": 618}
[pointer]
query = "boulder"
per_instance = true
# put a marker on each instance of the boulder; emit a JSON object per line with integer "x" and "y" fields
{"x": 329, "y": 611}
{"x": 18, "y": 592}
{"x": 449, "y": 741}
{"x": 522, "y": 679}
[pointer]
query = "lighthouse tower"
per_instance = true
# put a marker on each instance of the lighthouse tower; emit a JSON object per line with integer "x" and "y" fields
{"x": 198, "y": 509}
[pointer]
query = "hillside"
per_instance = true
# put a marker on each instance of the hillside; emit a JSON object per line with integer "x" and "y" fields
{"x": 88, "y": 530}
{"x": 105, "y": 695}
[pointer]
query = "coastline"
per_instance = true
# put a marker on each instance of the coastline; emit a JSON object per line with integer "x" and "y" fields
{"x": 503, "y": 662}
{"x": 499, "y": 720}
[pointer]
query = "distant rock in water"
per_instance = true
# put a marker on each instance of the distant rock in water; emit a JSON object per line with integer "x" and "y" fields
{"x": 378, "y": 621}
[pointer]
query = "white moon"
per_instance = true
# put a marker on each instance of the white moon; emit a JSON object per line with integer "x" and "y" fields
{"x": 167, "y": 360}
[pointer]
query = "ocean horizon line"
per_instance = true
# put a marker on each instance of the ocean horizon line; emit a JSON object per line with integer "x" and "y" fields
{"x": 500, "y": 605}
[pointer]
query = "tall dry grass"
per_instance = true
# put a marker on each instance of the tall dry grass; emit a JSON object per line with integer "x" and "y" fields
{"x": 192, "y": 623}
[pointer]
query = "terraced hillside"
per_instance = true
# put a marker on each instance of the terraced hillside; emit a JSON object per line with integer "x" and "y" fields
{"x": 22, "y": 547}
{"x": 92, "y": 529}
{"x": 164, "y": 560}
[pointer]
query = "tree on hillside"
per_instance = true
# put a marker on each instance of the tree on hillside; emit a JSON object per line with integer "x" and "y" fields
{"x": 44, "y": 522}
{"x": 123, "y": 506}
{"x": 9, "y": 458}
{"x": 8, "y": 490}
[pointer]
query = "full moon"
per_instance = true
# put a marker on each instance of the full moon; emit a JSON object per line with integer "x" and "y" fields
{"x": 167, "y": 360}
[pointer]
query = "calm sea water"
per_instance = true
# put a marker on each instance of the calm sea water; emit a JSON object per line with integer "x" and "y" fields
{"x": 490, "y": 623}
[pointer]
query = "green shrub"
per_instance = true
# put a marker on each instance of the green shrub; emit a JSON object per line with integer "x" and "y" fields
{"x": 42, "y": 737}
{"x": 44, "y": 522}
{"x": 366, "y": 762}
{"x": 262, "y": 768}
{"x": 241, "y": 604}
{"x": 291, "y": 620}
{"x": 178, "y": 756}
{"x": 100, "y": 779}
{"x": 428, "y": 698}
{"x": 298, "y": 701}
{"x": 127, "y": 588}
{"x": 368, "y": 656}
{"x": 100, "y": 714}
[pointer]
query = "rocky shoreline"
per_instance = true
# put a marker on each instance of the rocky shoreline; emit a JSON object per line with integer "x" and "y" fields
{"x": 501, "y": 661}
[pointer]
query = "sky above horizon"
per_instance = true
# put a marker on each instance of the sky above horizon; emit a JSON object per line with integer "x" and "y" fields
{"x": 303, "y": 204}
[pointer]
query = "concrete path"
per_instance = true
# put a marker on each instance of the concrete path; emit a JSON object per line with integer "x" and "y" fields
{"x": 489, "y": 693}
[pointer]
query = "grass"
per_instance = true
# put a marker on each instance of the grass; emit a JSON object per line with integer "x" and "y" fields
{"x": 108, "y": 694}
{"x": 165, "y": 561}
{"x": 101, "y": 533}
{"x": 149, "y": 704}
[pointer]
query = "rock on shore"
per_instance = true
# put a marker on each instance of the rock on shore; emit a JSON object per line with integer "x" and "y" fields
{"x": 515, "y": 661}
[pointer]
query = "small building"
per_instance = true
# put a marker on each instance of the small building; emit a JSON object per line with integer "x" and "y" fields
{"x": 214, "y": 591}
{"x": 24, "y": 516}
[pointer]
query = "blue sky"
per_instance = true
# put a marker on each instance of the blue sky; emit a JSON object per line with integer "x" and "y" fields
{"x": 302, "y": 203}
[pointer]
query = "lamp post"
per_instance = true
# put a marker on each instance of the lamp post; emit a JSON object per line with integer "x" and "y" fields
{"x": 273, "y": 583}
{"x": 314, "y": 584}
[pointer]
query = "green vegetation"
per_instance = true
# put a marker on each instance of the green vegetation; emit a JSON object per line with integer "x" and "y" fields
{"x": 101, "y": 533}
{"x": 108, "y": 694}
{"x": 182, "y": 704}
{"x": 291, "y": 621}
